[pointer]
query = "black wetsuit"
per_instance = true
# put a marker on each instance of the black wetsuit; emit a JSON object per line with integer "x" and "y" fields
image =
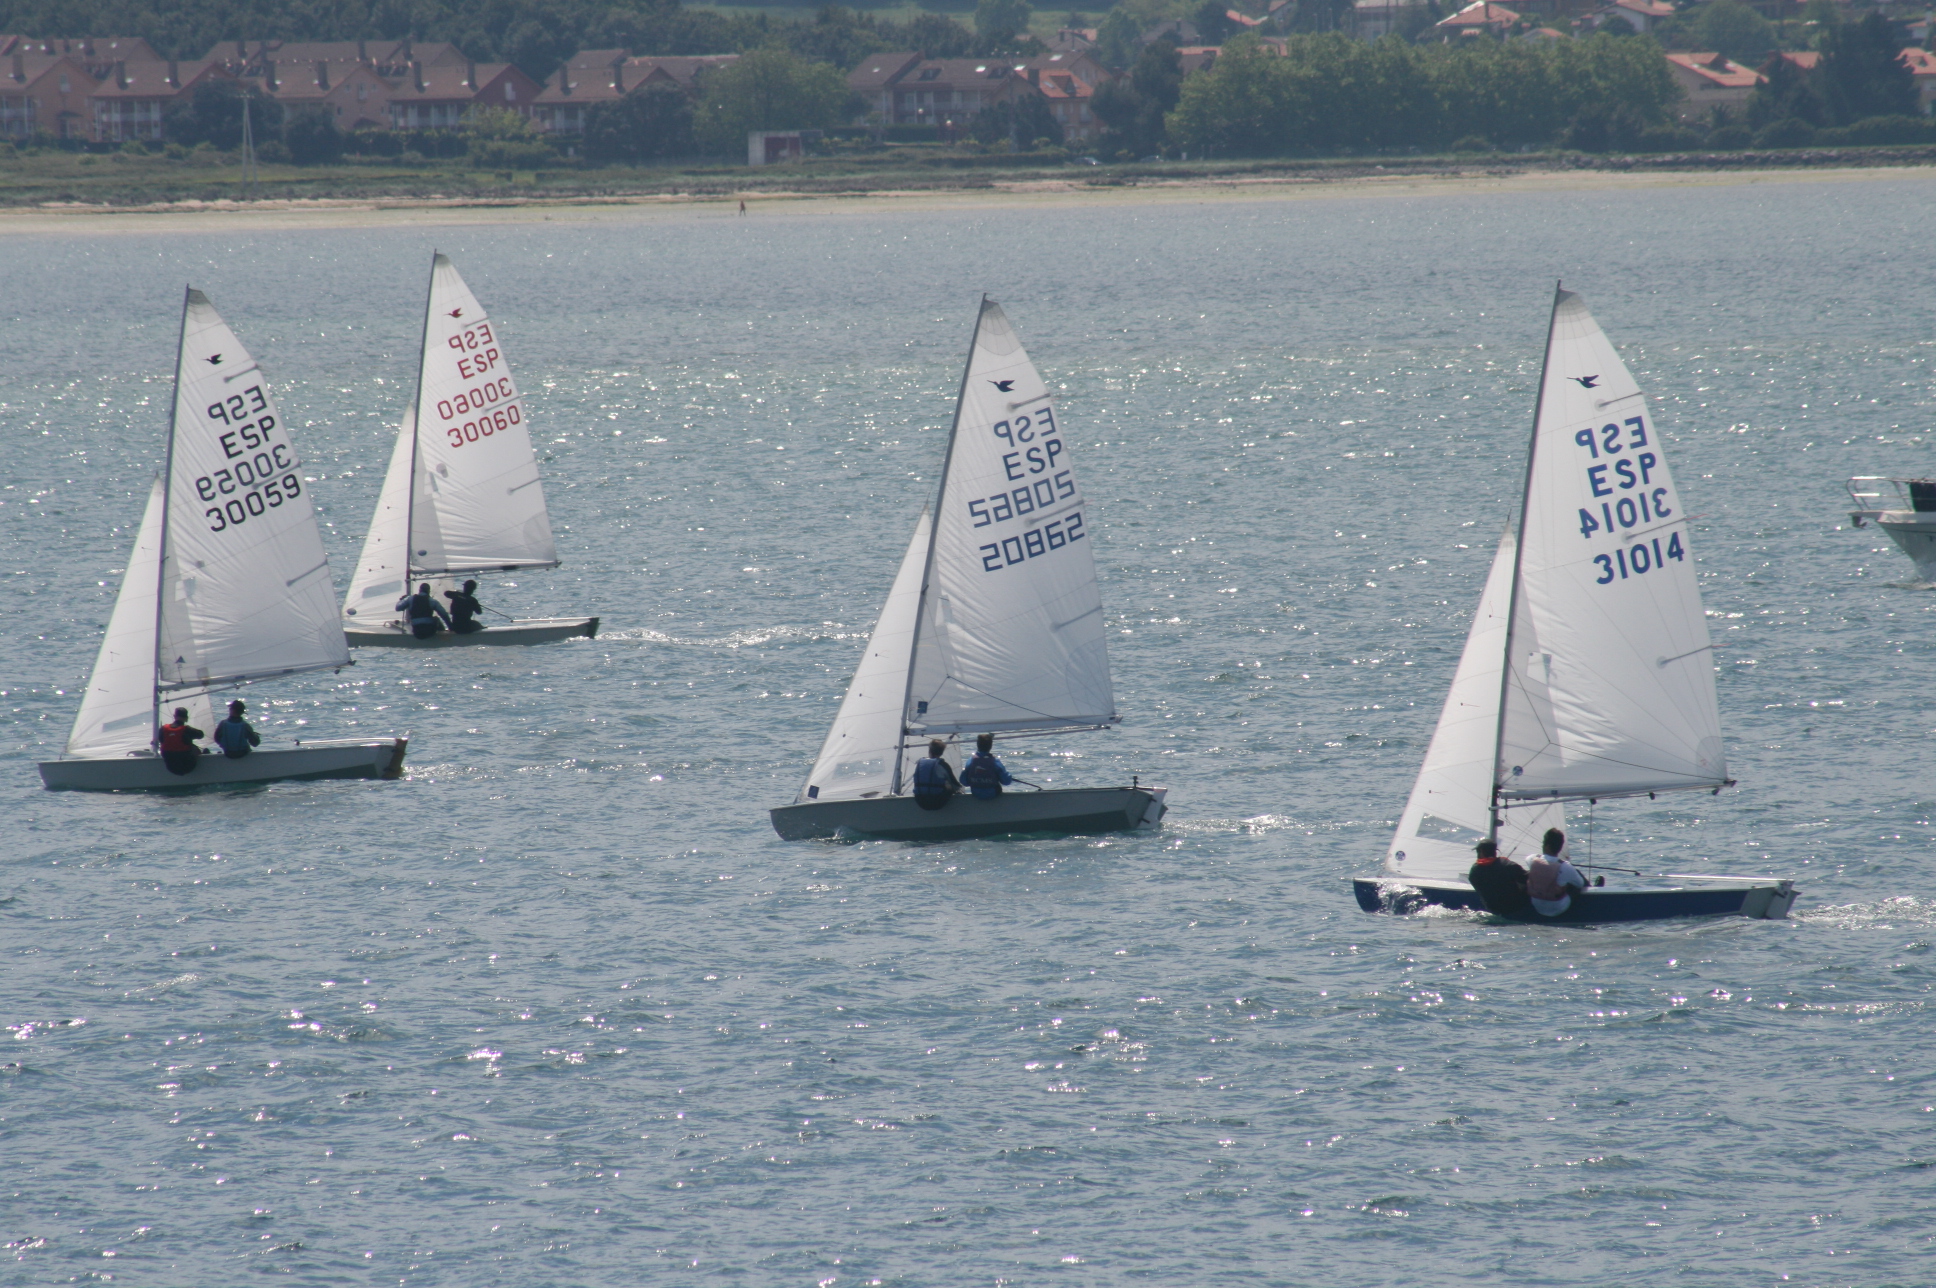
{"x": 1502, "y": 887}
{"x": 464, "y": 608}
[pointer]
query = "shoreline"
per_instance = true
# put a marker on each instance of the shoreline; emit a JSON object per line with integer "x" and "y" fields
{"x": 1353, "y": 181}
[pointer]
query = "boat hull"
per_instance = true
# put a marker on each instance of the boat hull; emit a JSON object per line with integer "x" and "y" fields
{"x": 1747, "y": 898}
{"x": 146, "y": 773}
{"x": 1081, "y": 811}
{"x": 525, "y": 630}
{"x": 1914, "y": 532}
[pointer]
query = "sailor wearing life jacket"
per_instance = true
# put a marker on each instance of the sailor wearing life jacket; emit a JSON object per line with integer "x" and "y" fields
{"x": 1551, "y": 880}
{"x": 934, "y": 778}
{"x": 177, "y": 738}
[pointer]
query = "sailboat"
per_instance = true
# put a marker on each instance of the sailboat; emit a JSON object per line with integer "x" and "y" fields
{"x": 227, "y": 585}
{"x": 994, "y": 624}
{"x": 1587, "y": 674}
{"x": 462, "y": 494}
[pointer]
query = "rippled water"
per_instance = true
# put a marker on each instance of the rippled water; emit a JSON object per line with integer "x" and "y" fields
{"x": 560, "y": 1009}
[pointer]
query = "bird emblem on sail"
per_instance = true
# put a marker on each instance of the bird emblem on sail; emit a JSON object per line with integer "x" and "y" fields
{"x": 457, "y": 313}
{"x": 1006, "y": 386}
{"x": 1584, "y": 382}
{"x": 214, "y": 360}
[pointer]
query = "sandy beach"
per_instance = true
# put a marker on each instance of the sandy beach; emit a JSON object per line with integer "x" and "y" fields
{"x": 201, "y": 217}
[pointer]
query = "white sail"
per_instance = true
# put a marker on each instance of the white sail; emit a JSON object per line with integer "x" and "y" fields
{"x": 478, "y": 504}
{"x": 860, "y": 754}
{"x": 117, "y": 713}
{"x": 245, "y": 586}
{"x": 1449, "y": 809}
{"x": 383, "y": 571}
{"x": 1610, "y": 689}
{"x": 1011, "y": 631}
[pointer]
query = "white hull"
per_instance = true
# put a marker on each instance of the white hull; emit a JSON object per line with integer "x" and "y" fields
{"x": 146, "y": 772}
{"x": 1915, "y": 534}
{"x": 524, "y": 630}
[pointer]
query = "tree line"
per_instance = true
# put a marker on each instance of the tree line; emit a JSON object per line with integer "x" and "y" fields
{"x": 537, "y": 35}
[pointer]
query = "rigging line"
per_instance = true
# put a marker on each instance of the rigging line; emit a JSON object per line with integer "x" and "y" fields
{"x": 1017, "y": 406}
{"x": 1705, "y": 648}
{"x": 934, "y": 533}
{"x": 161, "y": 545}
{"x": 1519, "y": 556}
{"x": 416, "y": 417}
{"x": 1602, "y": 403}
{"x": 249, "y": 370}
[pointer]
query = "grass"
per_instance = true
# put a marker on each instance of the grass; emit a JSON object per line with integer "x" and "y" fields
{"x": 119, "y": 180}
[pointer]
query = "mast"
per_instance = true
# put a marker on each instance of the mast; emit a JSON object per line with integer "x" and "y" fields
{"x": 161, "y": 551}
{"x": 1519, "y": 554}
{"x": 416, "y": 415}
{"x": 927, "y": 571}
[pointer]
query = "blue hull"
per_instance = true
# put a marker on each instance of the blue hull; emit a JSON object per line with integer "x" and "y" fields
{"x": 1385, "y": 894}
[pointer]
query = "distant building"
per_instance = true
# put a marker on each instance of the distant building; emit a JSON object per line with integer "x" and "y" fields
{"x": 1480, "y": 18}
{"x": 770, "y": 147}
{"x": 906, "y": 89}
{"x": 440, "y": 97}
{"x": 1922, "y": 65}
{"x": 132, "y": 100}
{"x": 1642, "y": 15}
{"x": 573, "y": 89}
{"x": 1198, "y": 58}
{"x": 1709, "y": 81}
{"x": 1068, "y": 96}
{"x": 353, "y": 95}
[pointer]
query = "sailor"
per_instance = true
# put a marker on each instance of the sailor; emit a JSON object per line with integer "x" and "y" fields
{"x": 1551, "y": 880}
{"x": 178, "y": 750}
{"x": 934, "y": 778}
{"x": 1500, "y": 883}
{"x": 235, "y": 735}
{"x": 422, "y": 611}
{"x": 464, "y": 609}
{"x": 985, "y": 776}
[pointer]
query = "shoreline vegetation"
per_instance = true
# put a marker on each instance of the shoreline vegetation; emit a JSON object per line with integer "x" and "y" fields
{"x": 80, "y": 184}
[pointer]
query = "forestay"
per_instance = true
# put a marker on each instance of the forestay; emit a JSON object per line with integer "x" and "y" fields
{"x": 860, "y": 754}
{"x": 245, "y": 586}
{"x": 383, "y": 571}
{"x": 117, "y": 713}
{"x": 1010, "y": 634}
{"x": 1449, "y": 809}
{"x": 477, "y": 502}
{"x": 1611, "y": 684}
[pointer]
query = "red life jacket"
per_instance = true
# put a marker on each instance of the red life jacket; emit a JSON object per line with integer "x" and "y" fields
{"x": 174, "y": 737}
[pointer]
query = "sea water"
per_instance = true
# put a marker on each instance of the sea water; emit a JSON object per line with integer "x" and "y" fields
{"x": 559, "y": 1008}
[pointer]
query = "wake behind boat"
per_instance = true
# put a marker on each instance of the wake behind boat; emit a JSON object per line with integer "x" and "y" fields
{"x": 994, "y": 624}
{"x": 1587, "y": 673}
{"x": 227, "y": 585}
{"x": 462, "y": 494}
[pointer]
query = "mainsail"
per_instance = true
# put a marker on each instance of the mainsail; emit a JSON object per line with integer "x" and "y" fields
{"x": 476, "y": 503}
{"x": 245, "y": 587}
{"x": 858, "y": 758}
{"x": 1609, "y": 688}
{"x": 1010, "y": 633}
{"x": 1449, "y": 810}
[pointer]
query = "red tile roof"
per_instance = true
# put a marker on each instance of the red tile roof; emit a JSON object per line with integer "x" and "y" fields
{"x": 1717, "y": 70}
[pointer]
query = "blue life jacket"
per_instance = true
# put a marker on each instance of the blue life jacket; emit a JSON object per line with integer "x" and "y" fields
{"x": 932, "y": 777}
{"x": 232, "y": 736}
{"x": 984, "y": 775}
